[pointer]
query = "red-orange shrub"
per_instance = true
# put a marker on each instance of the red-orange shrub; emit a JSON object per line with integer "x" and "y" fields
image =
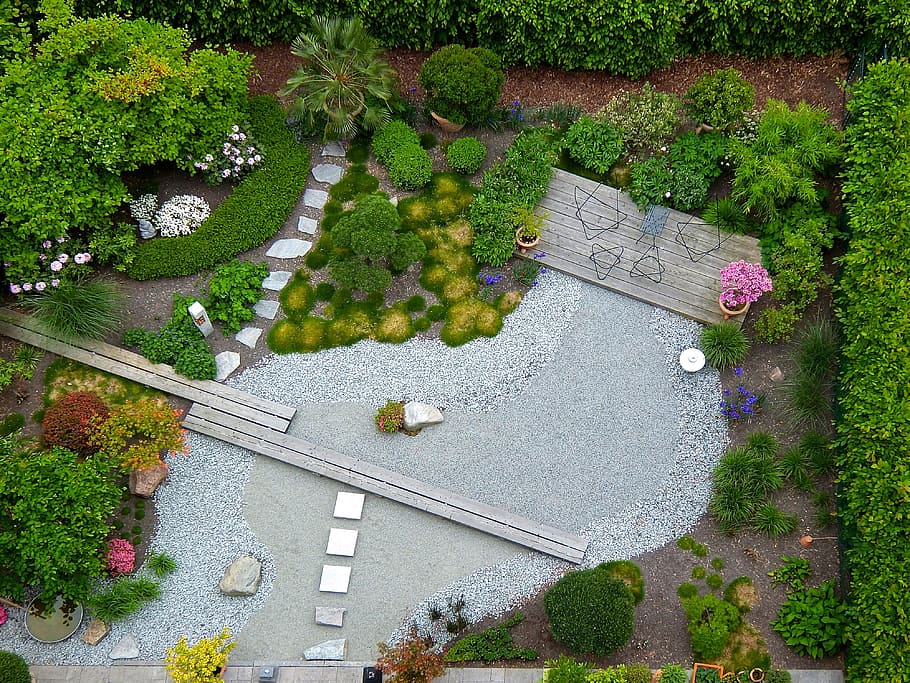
{"x": 411, "y": 660}
{"x": 66, "y": 423}
{"x": 136, "y": 432}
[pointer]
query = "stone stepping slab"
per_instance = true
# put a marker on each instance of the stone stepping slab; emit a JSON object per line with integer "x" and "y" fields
{"x": 333, "y": 149}
{"x": 248, "y": 336}
{"x": 307, "y": 225}
{"x": 333, "y": 650}
{"x": 289, "y": 248}
{"x": 348, "y": 505}
{"x": 276, "y": 280}
{"x": 225, "y": 363}
{"x": 266, "y": 309}
{"x": 330, "y": 616}
{"x": 327, "y": 173}
{"x": 341, "y": 542}
{"x": 315, "y": 199}
{"x": 335, "y": 579}
{"x": 126, "y": 648}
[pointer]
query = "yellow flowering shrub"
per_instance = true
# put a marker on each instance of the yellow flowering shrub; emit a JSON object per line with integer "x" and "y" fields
{"x": 199, "y": 663}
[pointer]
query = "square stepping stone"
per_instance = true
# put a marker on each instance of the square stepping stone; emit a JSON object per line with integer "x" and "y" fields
{"x": 248, "y": 336}
{"x": 225, "y": 363}
{"x": 290, "y": 248}
{"x": 349, "y": 505}
{"x": 341, "y": 542}
{"x": 315, "y": 199}
{"x": 276, "y": 280}
{"x": 333, "y": 149}
{"x": 334, "y": 579}
{"x": 330, "y": 616}
{"x": 307, "y": 225}
{"x": 327, "y": 173}
{"x": 266, "y": 309}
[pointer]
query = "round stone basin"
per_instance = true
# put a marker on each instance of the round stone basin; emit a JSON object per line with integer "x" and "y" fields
{"x": 56, "y": 625}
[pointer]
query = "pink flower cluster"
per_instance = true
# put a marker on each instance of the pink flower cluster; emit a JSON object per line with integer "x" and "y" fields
{"x": 55, "y": 266}
{"x": 121, "y": 557}
{"x": 3, "y": 615}
{"x": 743, "y": 283}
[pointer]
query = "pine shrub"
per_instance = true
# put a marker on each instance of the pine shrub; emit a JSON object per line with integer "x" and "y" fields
{"x": 13, "y": 669}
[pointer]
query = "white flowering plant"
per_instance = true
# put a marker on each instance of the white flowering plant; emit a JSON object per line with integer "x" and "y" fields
{"x": 143, "y": 207}
{"x": 181, "y": 215}
{"x": 239, "y": 154}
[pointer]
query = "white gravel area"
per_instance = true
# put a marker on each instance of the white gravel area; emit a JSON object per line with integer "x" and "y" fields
{"x": 577, "y": 414}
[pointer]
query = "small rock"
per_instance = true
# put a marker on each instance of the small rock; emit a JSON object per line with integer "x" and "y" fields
{"x": 266, "y": 309}
{"x": 417, "y": 415}
{"x": 146, "y": 230}
{"x": 327, "y": 173}
{"x": 307, "y": 225}
{"x": 225, "y": 363}
{"x": 315, "y": 199}
{"x": 144, "y": 482}
{"x": 776, "y": 375}
{"x": 394, "y": 201}
{"x": 330, "y": 649}
{"x": 96, "y": 632}
{"x": 333, "y": 149}
{"x": 330, "y": 616}
{"x": 248, "y": 336}
{"x": 127, "y": 648}
{"x": 276, "y": 280}
{"x": 242, "y": 577}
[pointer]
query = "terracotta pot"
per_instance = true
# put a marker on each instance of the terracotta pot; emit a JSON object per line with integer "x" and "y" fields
{"x": 446, "y": 125}
{"x": 732, "y": 311}
{"x": 523, "y": 244}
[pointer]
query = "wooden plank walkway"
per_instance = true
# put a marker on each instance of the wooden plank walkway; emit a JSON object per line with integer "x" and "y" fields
{"x": 260, "y": 425}
{"x": 268, "y": 414}
{"x": 579, "y": 227}
{"x": 386, "y": 483}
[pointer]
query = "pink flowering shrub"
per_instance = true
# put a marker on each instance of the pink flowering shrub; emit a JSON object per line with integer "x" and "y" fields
{"x": 3, "y": 615}
{"x": 743, "y": 283}
{"x": 121, "y": 557}
{"x": 45, "y": 271}
{"x": 239, "y": 154}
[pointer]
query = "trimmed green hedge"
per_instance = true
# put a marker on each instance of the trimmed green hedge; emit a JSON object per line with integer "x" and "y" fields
{"x": 629, "y": 38}
{"x": 256, "y": 209}
{"x": 873, "y": 307}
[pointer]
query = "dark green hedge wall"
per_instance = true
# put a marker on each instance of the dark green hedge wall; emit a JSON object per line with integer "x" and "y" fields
{"x": 873, "y": 308}
{"x": 629, "y": 37}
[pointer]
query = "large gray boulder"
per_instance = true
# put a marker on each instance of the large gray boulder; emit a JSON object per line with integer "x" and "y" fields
{"x": 417, "y": 415}
{"x": 241, "y": 578}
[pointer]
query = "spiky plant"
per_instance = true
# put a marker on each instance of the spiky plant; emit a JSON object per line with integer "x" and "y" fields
{"x": 771, "y": 521}
{"x": 808, "y": 400}
{"x": 724, "y": 344}
{"x": 727, "y": 215}
{"x": 817, "y": 449}
{"x": 816, "y": 350}
{"x": 79, "y": 309}
{"x": 343, "y": 84}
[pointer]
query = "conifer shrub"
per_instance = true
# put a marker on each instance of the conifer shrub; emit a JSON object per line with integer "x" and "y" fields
{"x": 67, "y": 422}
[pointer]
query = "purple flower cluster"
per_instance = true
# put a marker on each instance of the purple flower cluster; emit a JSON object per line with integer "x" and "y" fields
{"x": 738, "y": 404}
{"x": 56, "y": 266}
{"x": 742, "y": 283}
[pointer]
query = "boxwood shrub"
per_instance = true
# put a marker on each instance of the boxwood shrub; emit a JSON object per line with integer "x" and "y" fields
{"x": 255, "y": 211}
{"x": 410, "y": 167}
{"x": 390, "y": 137}
{"x": 590, "y": 611}
{"x": 466, "y": 155}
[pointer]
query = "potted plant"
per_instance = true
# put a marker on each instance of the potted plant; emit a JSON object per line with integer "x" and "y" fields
{"x": 462, "y": 85}
{"x": 203, "y": 662}
{"x": 528, "y": 227}
{"x": 741, "y": 284}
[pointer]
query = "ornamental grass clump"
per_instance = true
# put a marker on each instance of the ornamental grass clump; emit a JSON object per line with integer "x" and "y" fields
{"x": 742, "y": 283}
{"x": 724, "y": 344}
{"x": 201, "y": 662}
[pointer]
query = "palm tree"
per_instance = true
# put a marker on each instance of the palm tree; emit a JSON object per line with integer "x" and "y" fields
{"x": 343, "y": 82}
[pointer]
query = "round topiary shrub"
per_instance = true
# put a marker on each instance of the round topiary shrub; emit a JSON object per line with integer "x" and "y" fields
{"x": 466, "y": 155}
{"x": 66, "y": 422}
{"x": 390, "y": 137}
{"x": 13, "y": 668}
{"x": 720, "y": 98}
{"x": 590, "y": 612}
{"x": 596, "y": 145}
{"x": 410, "y": 167}
{"x": 462, "y": 84}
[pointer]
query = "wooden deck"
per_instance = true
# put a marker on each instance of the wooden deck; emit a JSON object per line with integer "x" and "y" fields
{"x": 260, "y": 425}
{"x": 132, "y": 366}
{"x": 593, "y": 232}
{"x": 386, "y": 483}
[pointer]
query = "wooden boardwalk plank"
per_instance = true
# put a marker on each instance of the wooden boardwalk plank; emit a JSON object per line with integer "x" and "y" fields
{"x": 386, "y": 483}
{"x": 158, "y": 376}
{"x": 689, "y": 288}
